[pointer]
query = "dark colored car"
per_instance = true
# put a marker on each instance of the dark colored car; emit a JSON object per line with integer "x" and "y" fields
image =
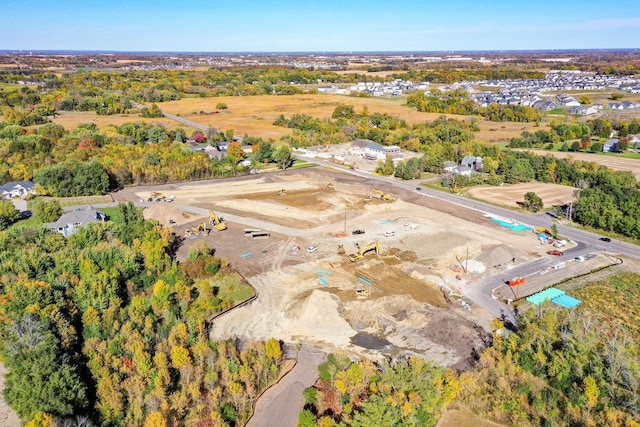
{"x": 605, "y": 239}
{"x": 357, "y": 232}
{"x": 419, "y": 188}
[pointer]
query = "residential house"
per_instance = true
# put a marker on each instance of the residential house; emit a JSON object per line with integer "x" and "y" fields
{"x": 449, "y": 166}
{"x": 69, "y": 222}
{"x": 610, "y": 146}
{"x": 472, "y": 163}
{"x": 14, "y": 189}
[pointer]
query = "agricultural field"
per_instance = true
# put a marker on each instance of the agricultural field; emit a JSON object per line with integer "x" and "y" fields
{"x": 72, "y": 119}
{"x": 510, "y": 195}
{"x": 610, "y": 161}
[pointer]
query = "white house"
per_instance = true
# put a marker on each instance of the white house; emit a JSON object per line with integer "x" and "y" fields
{"x": 17, "y": 189}
{"x": 69, "y": 223}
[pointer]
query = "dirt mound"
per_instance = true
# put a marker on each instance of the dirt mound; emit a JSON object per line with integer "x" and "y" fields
{"x": 498, "y": 255}
{"x": 441, "y": 334}
{"x": 164, "y": 213}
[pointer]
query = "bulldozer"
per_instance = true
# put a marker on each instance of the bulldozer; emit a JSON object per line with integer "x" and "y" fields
{"x": 216, "y": 222}
{"x": 359, "y": 256}
{"x": 282, "y": 192}
{"x": 379, "y": 194}
{"x": 362, "y": 293}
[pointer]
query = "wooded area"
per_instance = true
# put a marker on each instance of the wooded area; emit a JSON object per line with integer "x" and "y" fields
{"x": 105, "y": 327}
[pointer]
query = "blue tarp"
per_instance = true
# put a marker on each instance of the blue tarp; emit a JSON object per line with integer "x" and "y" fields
{"x": 566, "y": 301}
{"x": 547, "y": 294}
{"x": 323, "y": 280}
{"x": 512, "y": 226}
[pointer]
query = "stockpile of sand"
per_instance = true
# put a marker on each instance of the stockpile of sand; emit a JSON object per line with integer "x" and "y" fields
{"x": 164, "y": 213}
{"x": 499, "y": 255}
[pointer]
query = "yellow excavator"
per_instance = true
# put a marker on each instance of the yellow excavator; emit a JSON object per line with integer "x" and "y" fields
{"x": 379, "y": 194}
{"x": 200, "y": 229}
{"x": 360, "y": 255}
{"x": 216, "y": 222}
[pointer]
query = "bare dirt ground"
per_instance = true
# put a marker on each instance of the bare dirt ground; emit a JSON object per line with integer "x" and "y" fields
{"x": 310, "y": 297}
{"x": 510, "y": 195}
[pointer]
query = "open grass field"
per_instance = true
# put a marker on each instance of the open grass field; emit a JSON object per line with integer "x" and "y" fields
{"x": 612, "y": 301}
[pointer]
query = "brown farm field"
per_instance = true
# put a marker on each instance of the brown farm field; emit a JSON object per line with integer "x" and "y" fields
{"x": 509, "y": 195}
{"x": 610, "y": 161}
{"x": 255, "y": 115}
{"x": 71, "y": 119}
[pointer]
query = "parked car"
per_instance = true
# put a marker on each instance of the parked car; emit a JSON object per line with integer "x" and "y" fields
{"x": 357, "y": 232}
{"x": 605, "y": 239}
{"x": 389, "y": 233}
{"x": 555, "y": 252}
{"x": 419, "y": 188}
{"x": 312, "y": 249}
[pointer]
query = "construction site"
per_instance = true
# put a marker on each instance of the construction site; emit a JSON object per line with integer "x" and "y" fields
{"x": 396, "y": 286}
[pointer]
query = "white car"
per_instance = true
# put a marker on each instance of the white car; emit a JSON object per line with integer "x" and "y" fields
{"x": 312, "y": 249}
{"x": 389, "y": 233}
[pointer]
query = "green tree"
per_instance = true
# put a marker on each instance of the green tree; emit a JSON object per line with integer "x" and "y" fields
{"x": 221, "y": 106}
{"x": 48, "y": 211}
{"x": 282, "y": 155}
{"x": 533, "y": 202}
{"x": 8, "y": 214}
{"x": 584, "y": 100}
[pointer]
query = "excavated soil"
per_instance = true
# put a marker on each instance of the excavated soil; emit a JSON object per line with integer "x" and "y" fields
{"x": 411, "y": 305}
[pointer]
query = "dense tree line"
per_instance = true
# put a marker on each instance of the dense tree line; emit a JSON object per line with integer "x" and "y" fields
{"x": 407, "y": 392}
{"x": 105, "y": 327}
{"x": 457, "y": 102}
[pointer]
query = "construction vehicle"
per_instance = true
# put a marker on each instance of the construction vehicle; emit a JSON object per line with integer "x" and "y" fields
{"x": 516, "y": 281}
{"x": 362, "y": 293}
{"x": 330, "y": 187}
{"x": 200, "y": 229}
{"x": 341, "y": 250}
{"x": 158, "y": 197}
{"x": 216, "y": 222}
{"x": 379, "y": 194}
{"x": 282, "y": 192}
{"x": 360, "y": 255}
{"x": 189, "y": 233}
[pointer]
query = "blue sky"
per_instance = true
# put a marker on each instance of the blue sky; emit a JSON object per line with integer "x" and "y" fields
{"x": 330, "y": 25}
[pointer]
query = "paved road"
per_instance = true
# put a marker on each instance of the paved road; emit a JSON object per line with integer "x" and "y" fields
{"x": 280, "y": 405}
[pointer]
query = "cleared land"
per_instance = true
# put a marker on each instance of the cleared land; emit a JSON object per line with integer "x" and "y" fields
{"x": 510, "y": 195}
{"x": 411, "y": 307}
